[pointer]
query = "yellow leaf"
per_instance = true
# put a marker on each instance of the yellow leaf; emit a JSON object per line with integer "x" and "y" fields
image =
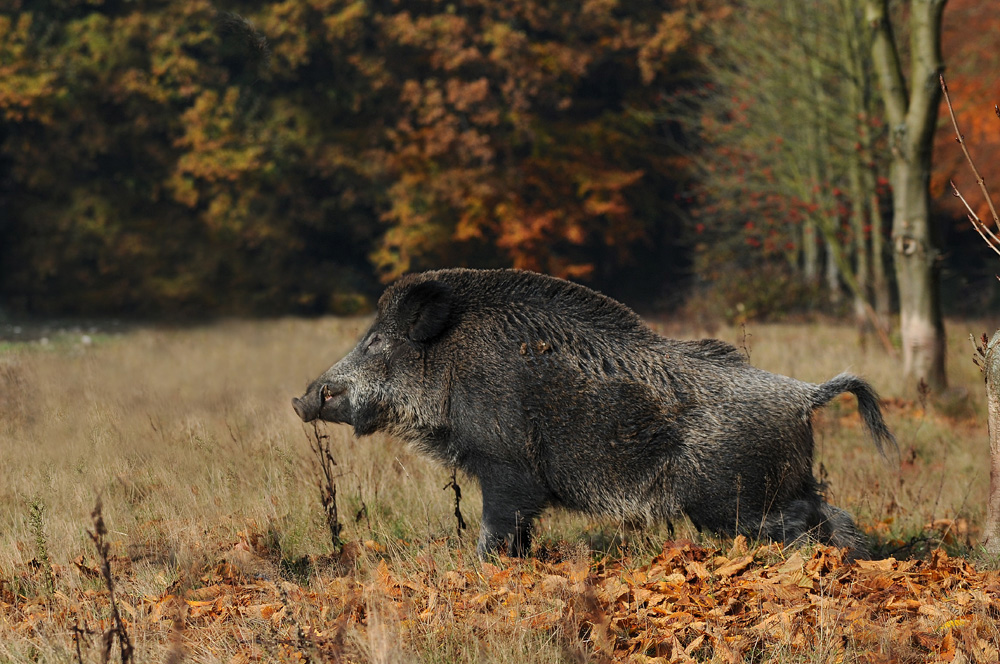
{"x": 953, "y": 624}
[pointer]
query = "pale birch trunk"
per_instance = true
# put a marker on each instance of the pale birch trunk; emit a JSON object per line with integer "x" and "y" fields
{"x": 859, "y": 215}
{"x": 912, "y": 118}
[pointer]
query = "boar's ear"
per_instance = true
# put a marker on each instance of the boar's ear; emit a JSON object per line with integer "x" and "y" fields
{"x": 424, "y": 310}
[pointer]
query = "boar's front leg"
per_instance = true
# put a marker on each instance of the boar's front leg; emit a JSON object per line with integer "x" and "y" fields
{"x": 511, "y": 501}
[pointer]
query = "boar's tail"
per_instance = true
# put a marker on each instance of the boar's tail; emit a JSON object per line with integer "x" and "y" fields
{"x": 868, "y": 406}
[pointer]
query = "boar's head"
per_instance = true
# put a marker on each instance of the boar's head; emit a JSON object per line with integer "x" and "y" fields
{"x": 381, "y": 382}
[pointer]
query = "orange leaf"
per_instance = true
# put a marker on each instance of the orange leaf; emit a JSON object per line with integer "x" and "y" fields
{"x": 947, "y": 652}
{"x": 734, "y": 567}
{"x": 697, "y": 569}
{"x": 877, "y": 566}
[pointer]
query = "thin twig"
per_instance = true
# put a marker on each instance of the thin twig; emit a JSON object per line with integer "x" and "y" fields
{"x": 453, "y": 484}
{"x": 79, "y": 633}
{"x": 961, "y": 141}
{"x": 980, "y": 227}
{"x": 976, "y": 222}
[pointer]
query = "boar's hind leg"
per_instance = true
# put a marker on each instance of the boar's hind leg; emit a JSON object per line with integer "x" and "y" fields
{"x": 511, "y": 501}
{"x": 838, "y": 529}
{"x": 815, "y": 519}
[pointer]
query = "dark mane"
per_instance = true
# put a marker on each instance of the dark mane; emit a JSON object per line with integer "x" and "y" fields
{"x": 713, "y": 350}
{"x": 521, "y": 289}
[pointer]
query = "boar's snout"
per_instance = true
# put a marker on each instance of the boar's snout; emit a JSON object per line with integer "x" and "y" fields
{"x": 305, "y": 408}
{"x": 326, "y": 401}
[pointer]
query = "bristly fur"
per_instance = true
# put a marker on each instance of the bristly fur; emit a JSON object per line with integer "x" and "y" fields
{"x": 550, "y": 393}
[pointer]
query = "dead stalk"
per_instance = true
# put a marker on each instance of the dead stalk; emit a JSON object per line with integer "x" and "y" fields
{"x": 117, "y": 628}
{"x": 319, "y": 443}
{"x": 453, "y": 484}
{"x": 78, "y": 634}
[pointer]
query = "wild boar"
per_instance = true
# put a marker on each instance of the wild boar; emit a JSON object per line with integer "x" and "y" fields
{"x": 551, "y": 394}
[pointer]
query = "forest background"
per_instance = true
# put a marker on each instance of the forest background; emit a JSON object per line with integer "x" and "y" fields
{"x": 730, "y": 158}
{"x": 724, "y": 160}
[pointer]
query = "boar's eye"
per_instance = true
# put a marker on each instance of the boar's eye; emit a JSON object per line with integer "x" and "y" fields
{"x": 374, "y": 343}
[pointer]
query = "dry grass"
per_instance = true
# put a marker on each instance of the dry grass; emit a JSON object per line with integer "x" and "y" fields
{"x": 189, "y": 438}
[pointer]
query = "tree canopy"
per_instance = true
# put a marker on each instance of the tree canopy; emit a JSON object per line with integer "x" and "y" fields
{"x": 255, "y": 157}
{"x": 162, "y": 157}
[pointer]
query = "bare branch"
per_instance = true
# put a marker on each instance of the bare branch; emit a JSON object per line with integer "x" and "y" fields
{"x": 992, "y": 240}
{"x": 977, "y": 223}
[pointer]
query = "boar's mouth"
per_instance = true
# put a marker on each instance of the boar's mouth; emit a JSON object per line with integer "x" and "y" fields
{"x": 326, "y": 403}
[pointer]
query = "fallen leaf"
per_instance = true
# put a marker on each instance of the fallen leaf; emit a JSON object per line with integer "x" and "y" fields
{"x": 876, "y": 566}
{"x": 695, "y": 568}
{"x": 734, "y": 567}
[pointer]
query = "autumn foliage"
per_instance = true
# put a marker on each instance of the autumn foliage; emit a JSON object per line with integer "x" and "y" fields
{"x": 974, "y": 95}
{"x": 688, "y": 604}
{"x": 162, "y": 157}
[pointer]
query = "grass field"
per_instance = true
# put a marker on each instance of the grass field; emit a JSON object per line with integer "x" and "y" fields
{"x": 220, "y": 552}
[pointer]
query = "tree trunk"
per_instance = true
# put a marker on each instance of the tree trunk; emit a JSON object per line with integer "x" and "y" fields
{"x": 991, "y": 529}
{"x": 810, "y": 251}
{"x": 857, "y": 91}
{"x": 834, "y": 291}
{"x": 912, "y": 118}
{"x": 917, "y": 277}
{"x": 859, "y": 215}
{"x": 880, "y": 273}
